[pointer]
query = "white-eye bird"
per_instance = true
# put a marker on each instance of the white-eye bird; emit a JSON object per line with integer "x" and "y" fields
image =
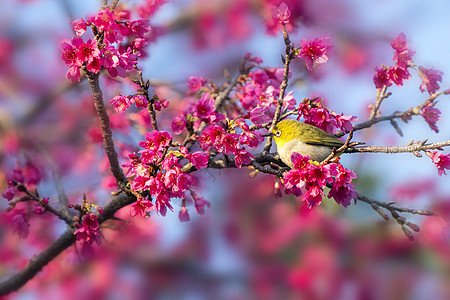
{"x": 293, "y": 136}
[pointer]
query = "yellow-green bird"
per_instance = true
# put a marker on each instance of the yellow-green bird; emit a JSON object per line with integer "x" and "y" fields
{"x": 293, "y": 136}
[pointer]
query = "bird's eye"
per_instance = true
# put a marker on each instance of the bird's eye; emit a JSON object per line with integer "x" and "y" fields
{"x": 277, "y": 133}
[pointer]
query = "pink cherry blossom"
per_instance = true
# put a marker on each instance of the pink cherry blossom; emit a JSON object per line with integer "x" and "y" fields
{"x": 382, "y": 77}
{"x": 183, "y": 215}
{"x": 442, "y": 161}
{"x": 205, "y": 106}
{"x": 89, "y": 231}
{"x": 79, "y": 26}
{"x": 398, "y": 74}
{"x": 315, "y": 51}
{"x": 141, "y": 207}
{"x": 195, "y": 83}
{"x": 140, "y": 101}
{"x": 281, "y": 13}
{"x": 403, "y": 55}
{"x": 429, "y": 78}
{"x": 199, "y": 159}
{"x": 242, "y": 157}
{"x": 178, "y": 124}
{"x": 431, "y": 116}
{"x": 121, "y": 103}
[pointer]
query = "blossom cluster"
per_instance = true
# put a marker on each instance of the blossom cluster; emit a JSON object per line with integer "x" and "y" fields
{"x": 313, "y": 177}
{"x": 158, "y": 173}
{"x": 385, "y": 76}
{"x": 315, "y": 113}
{"x": 107, "y": 49}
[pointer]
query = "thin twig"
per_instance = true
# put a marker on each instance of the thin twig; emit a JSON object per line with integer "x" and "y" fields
{"x": 381, "y": 95}
{"x": 399, "y": 149}
{"x": 287, "y": 60}
{"x": 397, "y": 115}
{"x": 391, "y": 207}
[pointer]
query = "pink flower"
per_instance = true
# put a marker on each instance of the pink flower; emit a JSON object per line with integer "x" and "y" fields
{"x": 251, "y": 138}
{"x": 242, "y": 157}
{"x": 89, "y": 231}
{"x": 230, "y": 143}
{"x": 70, "y": 51}
{"x": 149, "y": 7}
{"x": 342, "y": 194}
{"x": 313, "y": 196}
{"x": 120, "y": 103}
{"x": 294, "y": 178}
{"x": 382, "y": 77}
{"x": 259, "y": 115}
{"x": 442, "y": 161}
{"x": 183, "y": 215}
{"x": 399, "y": 43}
{"x": 104, "y": 20}
{"x": 9, "y": 193}
{"x": 398, "y": 74}
{"x": 18, "y": 221}
{"x": 345, "y": 122}
{"x": 200, "y": 204}
{"x": 402, "y": 56}
{"x": 73, "y": 74}
{"x": 205, "y": 106}
{"x": 79, "y": 26}
{"x": 431, "y": 116}
{"x": 184, "y": 182}
{"x": 281, "y": 13}
{"x": 195, "y": 83}
{"x": 141, "y": 207}
{"x": 429, "y": 78}
{"x": 140, "y": 27}
{"x": 199, "y": 159}
{"x": 315, "y": 51}
{"x": 140, "y": 101}
{"x": 178, "y": 124}
{"x": 88, "y": 51}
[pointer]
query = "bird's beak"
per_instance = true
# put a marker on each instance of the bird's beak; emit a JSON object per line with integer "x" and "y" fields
{"x": 267, "y": 134}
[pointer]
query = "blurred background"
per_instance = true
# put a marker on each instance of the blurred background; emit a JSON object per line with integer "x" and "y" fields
{"x": 249, "y": 244}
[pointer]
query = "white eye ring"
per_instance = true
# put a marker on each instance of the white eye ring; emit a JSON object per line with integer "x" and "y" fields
{"x": 277, "y": 133}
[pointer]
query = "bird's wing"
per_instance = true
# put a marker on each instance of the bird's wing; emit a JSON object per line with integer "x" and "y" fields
{"x": 326, "y": 140}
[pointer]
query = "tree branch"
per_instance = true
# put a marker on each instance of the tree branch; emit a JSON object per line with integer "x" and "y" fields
{"x": 63, "y": 242}
{"x": 108, "y": 142}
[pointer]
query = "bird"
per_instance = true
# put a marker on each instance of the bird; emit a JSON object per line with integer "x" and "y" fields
{"x": 293, "y": 136}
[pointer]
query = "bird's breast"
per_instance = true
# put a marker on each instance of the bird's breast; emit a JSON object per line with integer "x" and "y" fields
{"x": 316, "y": 153}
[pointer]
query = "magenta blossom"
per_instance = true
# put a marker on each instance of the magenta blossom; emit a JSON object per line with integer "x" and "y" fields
{"x": 199, "y": 159}
{"x": 140, "y": 101}
{"x": 442, "y": 161}
{"x": 79, "y": 26}
{"x": 89, "y": 232}
{"x": 195, "y": 83}
{"x": 178, "y": 124}
{"x": 402, "y": 56}
{"x": 431, "y": 116}
{"x": 121, "y": 103}
{"x": 281, "y": 13}
{"x": 205, "y": 106}
{"x": 242, "y": 157}
{"x": 141, "y": 207}
{"x": 315, "y": 51}
{"x": 183, "y": 215}
{"x": 398, "y": 74}
{"x": 429, "y": 78}
{"x": 382, "y": 77}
